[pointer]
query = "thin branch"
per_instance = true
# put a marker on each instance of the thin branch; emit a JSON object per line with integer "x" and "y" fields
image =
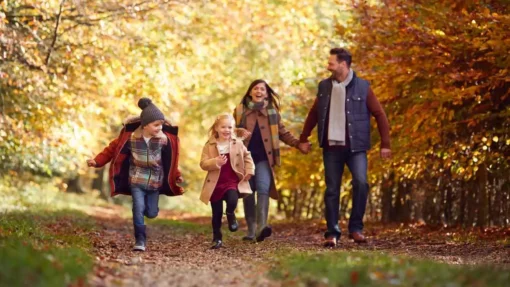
{"x": 36, "y": 37}
{"x": 55, "y": 33}
{"x": 4, "y": 45}
{"x": 31, "y": 66}
{"x": 109, "y": 12}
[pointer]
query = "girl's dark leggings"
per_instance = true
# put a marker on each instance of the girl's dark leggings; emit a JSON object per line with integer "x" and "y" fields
{"x": 230, "y": 197}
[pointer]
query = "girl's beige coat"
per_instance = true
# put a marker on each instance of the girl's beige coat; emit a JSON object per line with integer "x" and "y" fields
{"x": 241, "y": 161}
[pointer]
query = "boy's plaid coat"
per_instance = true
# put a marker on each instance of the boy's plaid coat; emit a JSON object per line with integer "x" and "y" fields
{"x": 146, "y": 166}
{"x": 119, "y": 152}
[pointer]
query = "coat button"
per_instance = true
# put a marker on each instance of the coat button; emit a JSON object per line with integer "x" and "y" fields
{"x": 265, "y": 140}
{"x": 262, "y": 127}
{"x": 208, "y": 180}
{"x": 347, "y": 99}
{"x": 269, "y": 152}
{"x": 237, "y": 164}
{"x": 348, "y": 112}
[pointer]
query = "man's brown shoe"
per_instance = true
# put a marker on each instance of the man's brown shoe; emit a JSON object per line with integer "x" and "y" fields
{"x": 330, "y": 241}
{"x": 358, "y": 237}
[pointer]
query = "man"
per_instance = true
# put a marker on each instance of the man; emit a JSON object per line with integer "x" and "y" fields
{"x": 342, "y": 112}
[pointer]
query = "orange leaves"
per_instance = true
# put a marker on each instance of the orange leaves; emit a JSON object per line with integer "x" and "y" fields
{"x": 442, "y": 61}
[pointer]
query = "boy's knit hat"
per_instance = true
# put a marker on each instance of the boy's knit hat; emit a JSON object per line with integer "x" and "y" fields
{"x": 150, "y": 112}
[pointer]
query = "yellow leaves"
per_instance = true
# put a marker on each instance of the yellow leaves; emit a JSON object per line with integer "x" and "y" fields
{"x": 340, "y": 30}
{"x": 439, "y": 33}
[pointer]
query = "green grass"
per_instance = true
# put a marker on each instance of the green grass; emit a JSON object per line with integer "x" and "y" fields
{"x": 42, "y": 194}
{"x": 44, "y": 248}
{"x": 340, "y": 268}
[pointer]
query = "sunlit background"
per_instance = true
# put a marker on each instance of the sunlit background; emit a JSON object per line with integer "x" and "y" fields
{"x": 70, "y": 74}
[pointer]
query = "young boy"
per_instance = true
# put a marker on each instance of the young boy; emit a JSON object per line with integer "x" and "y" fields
{"x": 144, "y": 164}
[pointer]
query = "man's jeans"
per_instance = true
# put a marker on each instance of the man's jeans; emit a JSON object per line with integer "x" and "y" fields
{"x": 145, "y": 203}
{"x": 334, "y": 162}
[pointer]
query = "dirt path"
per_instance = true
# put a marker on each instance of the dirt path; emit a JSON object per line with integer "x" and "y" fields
{"x": 181, "y": 257}
{"x": 174, "y": 258}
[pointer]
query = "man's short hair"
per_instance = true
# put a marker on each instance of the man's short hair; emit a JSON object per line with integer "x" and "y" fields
{"x": 342, "y": 55}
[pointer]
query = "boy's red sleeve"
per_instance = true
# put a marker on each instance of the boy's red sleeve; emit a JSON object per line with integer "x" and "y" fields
{"x": 107, "y": 154}
{"x": 178, "y": 173}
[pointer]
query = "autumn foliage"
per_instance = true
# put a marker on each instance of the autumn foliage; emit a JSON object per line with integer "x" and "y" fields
{"x": 70, "y": 71}
{"x": 440, "y": 68}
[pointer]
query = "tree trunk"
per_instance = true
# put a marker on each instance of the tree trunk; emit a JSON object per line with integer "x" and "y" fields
{"x": 280, "y": 204}
{"x": 400, "y": 201}
{"x": 483, "y": 210}
{"x": 99, "y": 184}
{"x": 448, "y": 204}
{"x": 498, "y": 198}
{"x": 505, "y": 189}
{"x": 371, "y": 212}
{"x": 432, "y": 211}
{"x": 417, "y": 198}
{"x": 387, "y": 195}
{"x": 471, "y": 204}
{"x": 462, "y": 204}
{"x": 74, "y": 186}
{"x": 311, "y": 204}
{"x": 295, "y": 205}
{"x": 408, "y": 202}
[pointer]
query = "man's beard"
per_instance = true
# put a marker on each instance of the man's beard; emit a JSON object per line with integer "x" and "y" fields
{"x": 338, "y": 74}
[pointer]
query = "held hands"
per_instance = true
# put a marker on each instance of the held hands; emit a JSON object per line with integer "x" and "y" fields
{"x": 305, "y": 148}
{"x": 243, "y": 133}
{"x": 91, "y": 162}
{"x": 221, "y": 160}
{"x": 385, "y": 153}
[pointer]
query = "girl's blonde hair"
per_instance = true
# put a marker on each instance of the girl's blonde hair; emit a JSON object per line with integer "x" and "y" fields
{"x": 224, "y": 116}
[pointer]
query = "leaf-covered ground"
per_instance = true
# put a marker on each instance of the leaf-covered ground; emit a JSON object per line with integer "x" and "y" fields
{"x": 178, "y": 254}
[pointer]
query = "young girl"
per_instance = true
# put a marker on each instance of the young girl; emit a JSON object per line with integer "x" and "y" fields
{"x": 229, "y": 167}
{"x": 144, "y": 164}
{"x": 258, "y": 114}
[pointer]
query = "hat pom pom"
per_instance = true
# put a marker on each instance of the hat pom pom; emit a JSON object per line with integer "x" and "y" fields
{"x": 144, "y": 102}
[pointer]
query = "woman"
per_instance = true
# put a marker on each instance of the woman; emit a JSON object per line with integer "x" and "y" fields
{"x": 258, "y": 114}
